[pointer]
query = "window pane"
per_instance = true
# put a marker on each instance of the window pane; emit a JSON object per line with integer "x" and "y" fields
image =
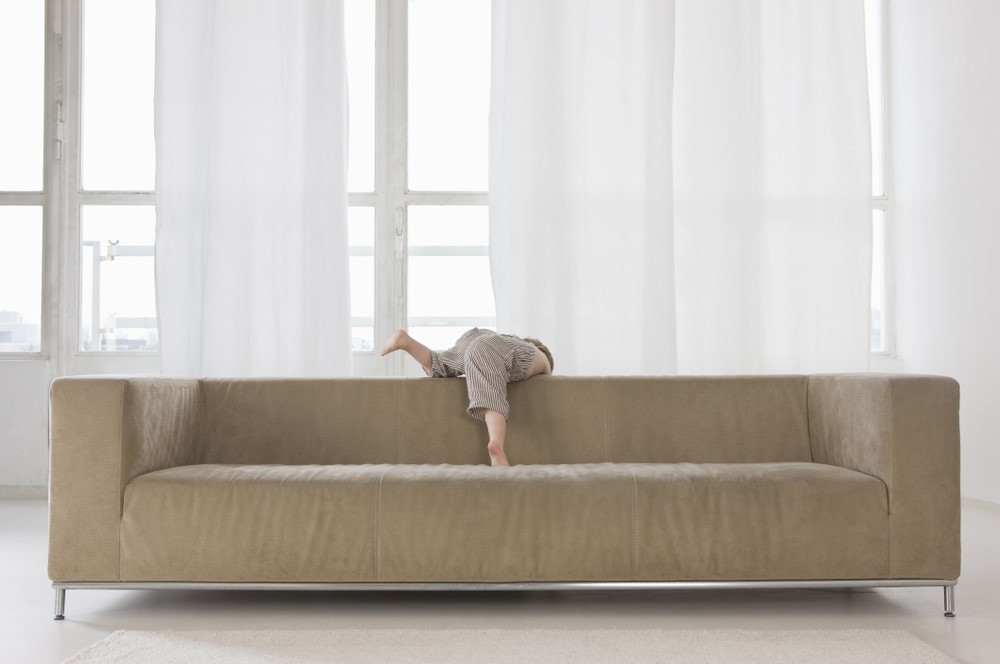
{"x": 359, "y": 17}
{"x": 20, "y": 278}
{"x": 117, "y": 131}
{"x": 118, "y": 302}
{"x": 448, "y": 225}
{"x": 447, "y": 287}
{"x": 22, "y": 77}
{"x": 361, "y": 237}
{"x": 449, "y": 284}
{"x": 879, "y": 331}
{"x": 449, "y": 94}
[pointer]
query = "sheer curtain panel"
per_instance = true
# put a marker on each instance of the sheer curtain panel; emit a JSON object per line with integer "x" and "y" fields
{"x": 682, "y": 188}
{"x": 772, "y": 186}
{"x": 251, "y": 150}
{"x": 581, "y": 241}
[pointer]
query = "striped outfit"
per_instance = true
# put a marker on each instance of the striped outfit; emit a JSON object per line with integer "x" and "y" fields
{"x": 489, "y": 361}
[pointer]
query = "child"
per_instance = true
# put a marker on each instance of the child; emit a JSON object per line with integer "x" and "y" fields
{"x": 489, "y": 361}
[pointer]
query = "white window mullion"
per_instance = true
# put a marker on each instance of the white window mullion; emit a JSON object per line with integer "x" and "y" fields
{"x": 447, "y": 198}
{"x": 67, "y": 218}
{"x": 390, "y": 179}
{"x": 116, "y": 197}
{"x": 54, "y": 174}
{"x": 22, "y": 198}
{"x": 361, "y": 199}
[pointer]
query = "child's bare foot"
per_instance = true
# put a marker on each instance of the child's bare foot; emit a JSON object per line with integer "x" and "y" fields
{"x": 395, "y": 342}
{"x": 497, "y": 456}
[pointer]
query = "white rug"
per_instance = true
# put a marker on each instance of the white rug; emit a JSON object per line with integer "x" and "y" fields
{"x": 371, "y": 646}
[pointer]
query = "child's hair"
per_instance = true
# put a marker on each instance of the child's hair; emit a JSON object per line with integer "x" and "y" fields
{"x": 545, "y": 351}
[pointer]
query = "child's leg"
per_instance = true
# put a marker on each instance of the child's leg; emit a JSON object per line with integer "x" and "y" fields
{"x": 496, "y": 425}
{"x": 486, "y": 380}
{"x": 403, "y": 341}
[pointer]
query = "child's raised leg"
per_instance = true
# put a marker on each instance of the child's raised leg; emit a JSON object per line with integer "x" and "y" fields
{"x": 400, "y": 340}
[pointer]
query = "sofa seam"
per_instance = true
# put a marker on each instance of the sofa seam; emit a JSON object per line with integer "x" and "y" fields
{"x": 809, "y": 431}
{"x": 399, "y": 425}
{"x": 121, "y": 485}
{"x": 378, "y": 505}
{"x": 635, "y": 542}
{"x": 607, "y": 446}
{"x": 892, "y": 469}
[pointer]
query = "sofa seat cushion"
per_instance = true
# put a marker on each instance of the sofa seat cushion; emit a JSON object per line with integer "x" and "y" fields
{"x": 577, "y": 522}
{"x": 766, "y": 521}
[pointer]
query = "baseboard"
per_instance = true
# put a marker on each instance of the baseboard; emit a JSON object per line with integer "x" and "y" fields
{"x": 985, "y": 505}
{"x": 23, "y": 492}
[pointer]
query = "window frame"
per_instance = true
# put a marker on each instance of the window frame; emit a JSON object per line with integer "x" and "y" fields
{"x": 76, "y": 197}
{"x": 67, "y": 199}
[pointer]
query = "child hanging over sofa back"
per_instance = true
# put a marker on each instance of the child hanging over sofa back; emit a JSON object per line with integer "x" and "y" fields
{"x": 489, "y": 361}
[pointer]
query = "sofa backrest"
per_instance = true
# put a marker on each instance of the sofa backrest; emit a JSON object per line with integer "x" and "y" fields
{"x": 554, "y": 419}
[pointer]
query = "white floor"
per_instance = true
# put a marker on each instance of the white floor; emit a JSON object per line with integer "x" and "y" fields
{"x": 29, "y": 635}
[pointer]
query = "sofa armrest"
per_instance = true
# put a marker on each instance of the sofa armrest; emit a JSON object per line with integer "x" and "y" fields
{"x": 103, "y": 432}
{"x": 904, "y": 430}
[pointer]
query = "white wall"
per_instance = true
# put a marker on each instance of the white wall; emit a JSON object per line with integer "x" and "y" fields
{"x": 24, "y": 412}
{"x": 945, "y": 87}
{"x": 24, "y": 387}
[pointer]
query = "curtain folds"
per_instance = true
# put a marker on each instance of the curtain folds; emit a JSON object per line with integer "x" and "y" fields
{"x": 251, "y": 238}
{"x": 580, "y": 178}
{"x": 682, "y": 188}
{"x": 772, "y": 203}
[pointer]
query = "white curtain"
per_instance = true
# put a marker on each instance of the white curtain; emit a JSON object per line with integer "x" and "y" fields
{"x": 772, "y": 182}
{"x": 580, "y": 181}
{"x": 703, "y": 215}
{"x": 251, "y": 237}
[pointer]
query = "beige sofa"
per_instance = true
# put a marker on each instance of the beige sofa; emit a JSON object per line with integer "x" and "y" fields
{"x": 778, "y": 481}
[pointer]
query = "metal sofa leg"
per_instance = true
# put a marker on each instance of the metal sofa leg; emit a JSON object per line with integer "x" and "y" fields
{"x": 949, "y": 601}
{"x": 60, "y": 603}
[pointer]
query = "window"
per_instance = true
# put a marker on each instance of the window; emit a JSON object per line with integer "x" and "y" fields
{"x": 20, "y": 278}
{"x": 420, "y": 226}
{"x": 418, "y": 137}
{"x": 448, "y": 95}
{"x": 448, "y": 272}
{"x": 881, "y": 305}
{"x": 418, "y": 203}
{"x": 359, "y": 18}
{"x": 111, "y": 177}
{"x": 117, "y": 303}
{"x": 361, "y": 238}
{"x": 22, "y": 82}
